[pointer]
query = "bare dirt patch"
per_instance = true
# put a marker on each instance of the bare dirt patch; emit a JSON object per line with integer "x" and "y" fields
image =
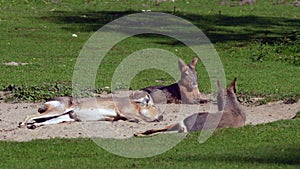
{"x": 13, "y": 113}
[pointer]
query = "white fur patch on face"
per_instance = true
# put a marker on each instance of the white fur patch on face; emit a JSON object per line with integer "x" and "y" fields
{"x": 145, "y": 113}
{"x": 148, "y": 115}
{"x": 194, "y": 86}
{"x": 89, "y": 114}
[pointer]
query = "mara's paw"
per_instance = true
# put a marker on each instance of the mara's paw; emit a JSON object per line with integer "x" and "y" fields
{"x": 22, "y": 125}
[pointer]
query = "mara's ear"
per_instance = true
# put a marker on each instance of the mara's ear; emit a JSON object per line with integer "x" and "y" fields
{"x": 149, "y": 100}
{"x": 182, "y": 66}
{"x": 194, "y": 62}
{"x": 71, "y": 101}
{"x": 232, "y": 86}
{"x": 220, "y": 96}
{"x": 146, "y": 100}
{"x": 219, "y": 85}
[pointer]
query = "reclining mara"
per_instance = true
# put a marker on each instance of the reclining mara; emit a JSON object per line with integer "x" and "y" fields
{"x": 185, "y": 91}
{"x": 229, "y": 109}
{"x": 68, "y": 109}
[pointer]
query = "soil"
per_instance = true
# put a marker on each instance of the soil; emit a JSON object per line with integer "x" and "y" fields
{"x": 13, "y": 113}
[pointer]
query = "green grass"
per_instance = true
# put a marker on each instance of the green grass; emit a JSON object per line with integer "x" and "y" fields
{"x": 273, "y": 145}
{"x": 258, "y": 44}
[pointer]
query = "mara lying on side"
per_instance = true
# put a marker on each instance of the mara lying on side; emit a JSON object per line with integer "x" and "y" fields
{"x": 68, "y": 109}
{"x": 230, "y": 112}
{"x": 185, "y": 91}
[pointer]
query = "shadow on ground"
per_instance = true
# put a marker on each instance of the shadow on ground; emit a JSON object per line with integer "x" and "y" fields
{"x": 218, "y": 28}
{"x": 286, "y": 155}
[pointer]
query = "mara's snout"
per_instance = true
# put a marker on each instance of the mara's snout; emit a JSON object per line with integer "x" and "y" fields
{"x": 194, "y": 85}
{"x": 159, "y": 118}
{"x": 153, "y": 118}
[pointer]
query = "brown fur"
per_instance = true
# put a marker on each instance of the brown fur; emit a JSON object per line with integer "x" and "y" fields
{"x": 110, "y": 109}
{"x": 185, "y": 91}
{"x": 229, "y": 110}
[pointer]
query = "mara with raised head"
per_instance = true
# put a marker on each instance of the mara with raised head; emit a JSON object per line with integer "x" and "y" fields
{"x": 185, "y": 91}
{"x": 230, "y": 112}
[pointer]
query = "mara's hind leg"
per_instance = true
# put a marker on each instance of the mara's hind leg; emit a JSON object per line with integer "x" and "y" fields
{"x": 29, "y": 118}
{"x": 172, "y": 127}
{"x": 55, "y": 120}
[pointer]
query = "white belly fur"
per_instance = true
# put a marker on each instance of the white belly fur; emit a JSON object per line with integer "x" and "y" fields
{"x": 87, "y": 114}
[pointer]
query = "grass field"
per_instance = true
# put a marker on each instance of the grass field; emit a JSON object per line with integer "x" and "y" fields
{"x": 275, "y": 145}
{"x": 260, "y": 45}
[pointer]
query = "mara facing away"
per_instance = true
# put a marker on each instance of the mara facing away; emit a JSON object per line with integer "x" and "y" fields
{"x": 185, "y": 91}
{"x": 229, "y": 110}
{"x": 68, "y": 109}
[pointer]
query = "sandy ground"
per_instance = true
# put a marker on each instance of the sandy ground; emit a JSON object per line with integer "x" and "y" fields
{"x": 13, "y": 113}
